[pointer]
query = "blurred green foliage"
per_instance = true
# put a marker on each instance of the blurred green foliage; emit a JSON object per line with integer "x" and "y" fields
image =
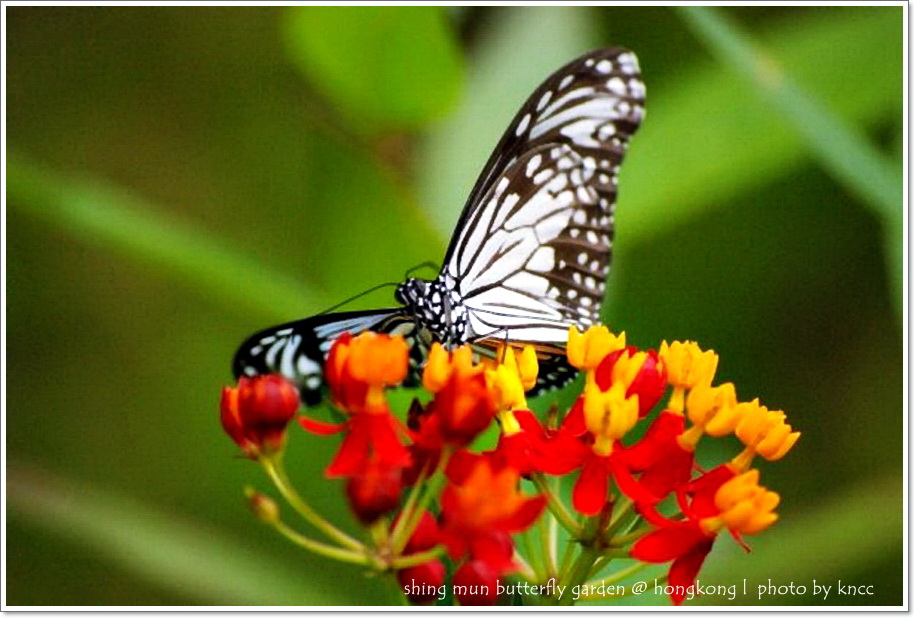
{"x": 179, "y": 177}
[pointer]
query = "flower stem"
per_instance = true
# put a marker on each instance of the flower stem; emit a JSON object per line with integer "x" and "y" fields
{"x": 274, "y": 468}
{"x": 337, "y": 553}
{"x": 619, "y": 575}
{"x": 579, "y": 571}
{"x": 405, "y": 562}
{"x": 433, "y": 487}
{"x": 548, "y": 543}
{"x": 557, "y": 508}
{"x": 409, "y": 504}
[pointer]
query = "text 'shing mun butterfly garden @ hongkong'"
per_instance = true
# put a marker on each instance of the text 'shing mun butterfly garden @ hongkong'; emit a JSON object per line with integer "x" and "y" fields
{"x": 514, "y": 312}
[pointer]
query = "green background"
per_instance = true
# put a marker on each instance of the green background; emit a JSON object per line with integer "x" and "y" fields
{"x": 180, "y": 177}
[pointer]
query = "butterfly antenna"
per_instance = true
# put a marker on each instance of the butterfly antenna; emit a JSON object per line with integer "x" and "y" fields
{"x": 359, "y": 295}
{"x": 432, "y": 265}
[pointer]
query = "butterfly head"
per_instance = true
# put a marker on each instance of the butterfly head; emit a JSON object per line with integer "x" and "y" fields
{"x": 435, "y": 307}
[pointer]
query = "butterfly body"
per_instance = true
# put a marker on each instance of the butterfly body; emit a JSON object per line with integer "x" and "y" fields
{"x": 531, "y": 250}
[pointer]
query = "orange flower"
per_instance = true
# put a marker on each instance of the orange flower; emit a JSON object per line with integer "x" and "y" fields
{"x": 359, "y": 368}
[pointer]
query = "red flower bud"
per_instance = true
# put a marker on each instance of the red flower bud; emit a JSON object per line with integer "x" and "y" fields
{"x": 423, "y": 583}
{"x": 255, "y": 414}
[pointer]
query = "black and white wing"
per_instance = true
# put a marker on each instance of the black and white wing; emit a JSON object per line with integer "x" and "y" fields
{"x": 298, "y": 349}
{"x": 531, "y": 251}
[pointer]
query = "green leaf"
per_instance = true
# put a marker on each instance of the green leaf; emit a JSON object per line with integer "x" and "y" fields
{"x": 109, "y": 217}
{"x": 840, "y": 147}
{"x": 385, "y": 68}
{"x": 705, "y": 141}
{"x": 164, "y": 549}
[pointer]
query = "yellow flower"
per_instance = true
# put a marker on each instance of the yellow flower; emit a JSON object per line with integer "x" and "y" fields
{"x": 713, "y": 408}
{"x": 586, "y": 351}
{"x": 763, "y": 432}
{"x": 609, "y": 415}
{"x": 687, "y": 365}
{"x": 746, "y": 507}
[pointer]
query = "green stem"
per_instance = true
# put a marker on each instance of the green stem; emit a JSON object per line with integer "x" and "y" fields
{"x": 407, "y": 511}
{"x": 620, "y": 575}
{"x": 557, "y": 508}
{"x": 336, "y": 553}
{"x": 579, "y": 572}
{"x": 548, "y": 545}
{"x": 433, "y": 488}
{"x": 274, "y": 468}
{"x": 411, "y": 560}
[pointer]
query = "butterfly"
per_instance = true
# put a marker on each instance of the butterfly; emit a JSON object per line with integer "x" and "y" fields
{"x": 531, "y": 250}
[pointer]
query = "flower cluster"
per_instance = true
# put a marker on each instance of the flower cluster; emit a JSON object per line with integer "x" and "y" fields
{"x": 436, "y": 505}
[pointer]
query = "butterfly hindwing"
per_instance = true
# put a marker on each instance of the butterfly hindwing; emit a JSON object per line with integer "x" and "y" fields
{"x": 298, "y": 349}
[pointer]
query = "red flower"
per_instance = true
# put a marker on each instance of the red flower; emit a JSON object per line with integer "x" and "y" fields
{"x": 255, "y": 414}
{"x": 665, "y": 465}
{"x": 375, "y": 490}
{"x": 686, "y": 542}
{"x": 483, "y": 498}
{"x": 649, "y": 382}
{"x": 358, "y": 370}
{"x": 369, "y": 436}
{"x": 463, "y": 405}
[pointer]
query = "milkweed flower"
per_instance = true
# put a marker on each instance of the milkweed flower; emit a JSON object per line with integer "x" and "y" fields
{"x": 631, "y": 436}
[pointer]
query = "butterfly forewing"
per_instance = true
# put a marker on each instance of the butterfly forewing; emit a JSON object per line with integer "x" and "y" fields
{"x": 532, "y": 250}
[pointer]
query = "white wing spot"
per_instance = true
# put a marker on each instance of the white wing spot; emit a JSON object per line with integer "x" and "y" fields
{"x": 544, "y": 100}
{"x": 543, "y": 176}
{"x": 637, "y": 88}
{"x": 522, "y": 126}
{"x": 606, "y": 131}
{"x": 604, "y": 66}
{"x": 566, "y": 81}
{"x": 617, "y": 86}
{"x": 532, "y": 165}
